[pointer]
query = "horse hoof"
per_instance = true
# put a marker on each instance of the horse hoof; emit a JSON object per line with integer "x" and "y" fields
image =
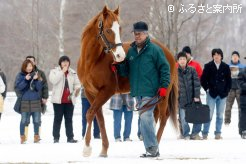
{"x": 103, "y": 155}
{"x": 87, "y": 151}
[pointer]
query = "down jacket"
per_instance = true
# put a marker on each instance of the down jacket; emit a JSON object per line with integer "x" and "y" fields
{"x": 189, "y": 85}
{"x": 57, "y": 78}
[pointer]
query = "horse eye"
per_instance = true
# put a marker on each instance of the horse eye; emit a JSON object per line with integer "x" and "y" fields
{"x": 108, "y": 31}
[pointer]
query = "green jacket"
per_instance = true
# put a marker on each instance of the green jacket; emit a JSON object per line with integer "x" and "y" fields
{"x": 147, "y": 70}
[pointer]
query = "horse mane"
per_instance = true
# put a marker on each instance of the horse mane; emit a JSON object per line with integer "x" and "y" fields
{"x": 89, "y": 26}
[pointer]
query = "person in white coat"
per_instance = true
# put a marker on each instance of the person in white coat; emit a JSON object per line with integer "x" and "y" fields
{"x": 2, "y": 89}
{"x": 66, "y": 87}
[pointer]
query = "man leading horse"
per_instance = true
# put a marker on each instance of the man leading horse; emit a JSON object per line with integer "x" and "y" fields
{"x": 149, "y": 74}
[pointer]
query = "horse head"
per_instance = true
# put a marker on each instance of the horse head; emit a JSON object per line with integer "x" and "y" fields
{"x": 109, "y": 33}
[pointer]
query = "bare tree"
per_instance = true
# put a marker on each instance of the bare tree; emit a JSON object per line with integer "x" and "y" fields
{"x": 33, "y": 27}
{"x": 166, "y": 24}
{"x": 61, "y": 24}
{"x": 35, "y": 30}
{"x": 177, "y": 22}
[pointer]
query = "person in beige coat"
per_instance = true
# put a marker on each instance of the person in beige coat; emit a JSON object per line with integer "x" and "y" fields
{"x": 2, "y": 89}
{"x": 66, "y": 87}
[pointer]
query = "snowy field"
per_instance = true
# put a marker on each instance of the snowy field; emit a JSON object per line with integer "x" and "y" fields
{"x": 232, "y": 149}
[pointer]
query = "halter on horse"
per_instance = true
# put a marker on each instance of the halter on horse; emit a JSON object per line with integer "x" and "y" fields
{"x": 108, "y": 45}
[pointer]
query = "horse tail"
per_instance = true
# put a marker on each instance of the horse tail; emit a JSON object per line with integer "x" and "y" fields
{"x": 173, "y": 102}
{"x": 170, "y": 110}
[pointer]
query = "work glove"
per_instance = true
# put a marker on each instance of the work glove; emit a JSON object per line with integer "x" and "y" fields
{"x": 162, "y": 92}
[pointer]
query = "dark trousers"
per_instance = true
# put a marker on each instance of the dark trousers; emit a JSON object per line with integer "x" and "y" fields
{"x": 233, "y": 94}
{"x": 61, "y": 110}
{"x": 242, "y": 121}
{"x": 0, "y": 115}
{"x": 85, "y": 107}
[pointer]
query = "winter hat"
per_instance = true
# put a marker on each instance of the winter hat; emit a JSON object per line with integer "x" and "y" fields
{"x": 140, "y": 26}
{"x": 235, "y": 52}
{"x": 187, "y": 49}
{"x": 62, "y": 59}
{"x": 181, "y": 54}
{"x": 218, "y": 51}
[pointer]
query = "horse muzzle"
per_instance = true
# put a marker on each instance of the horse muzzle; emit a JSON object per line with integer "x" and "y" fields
{"x": 119, "y": 54}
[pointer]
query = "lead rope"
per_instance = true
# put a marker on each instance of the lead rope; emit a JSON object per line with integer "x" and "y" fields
{"x": 146, "y": 106}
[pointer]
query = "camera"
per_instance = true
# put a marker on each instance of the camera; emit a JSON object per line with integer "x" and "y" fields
{"x": 32, "y": 74}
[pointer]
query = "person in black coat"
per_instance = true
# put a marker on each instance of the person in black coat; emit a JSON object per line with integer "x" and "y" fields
{"x": 189, "y": 91}
{"x": 242, "y": 115}
{"x": 216, "y": 81}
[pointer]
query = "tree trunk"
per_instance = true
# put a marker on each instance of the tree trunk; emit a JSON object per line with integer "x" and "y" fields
{"x": 61, "y": 25}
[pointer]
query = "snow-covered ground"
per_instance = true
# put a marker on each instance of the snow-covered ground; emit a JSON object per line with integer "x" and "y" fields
{"x": 232, "y": 149}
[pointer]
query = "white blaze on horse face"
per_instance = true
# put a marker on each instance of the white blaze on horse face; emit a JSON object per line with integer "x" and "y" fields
{"x": 119, "y": 53}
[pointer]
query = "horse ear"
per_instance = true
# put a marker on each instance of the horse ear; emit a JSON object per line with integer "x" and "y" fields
{"x": 117, "y": 11}
{"x": 105, "y": 11}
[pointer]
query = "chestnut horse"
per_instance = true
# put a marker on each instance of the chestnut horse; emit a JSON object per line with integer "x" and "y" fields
{"x": 100, "y": 47}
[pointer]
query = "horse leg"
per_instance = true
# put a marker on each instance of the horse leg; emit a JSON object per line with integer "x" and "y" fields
{"x": 96, "y": 106}
{"x": 101, "y": 123}
{"x": 87, "y": 148}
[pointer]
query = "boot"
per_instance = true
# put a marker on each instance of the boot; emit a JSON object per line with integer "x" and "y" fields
{"x": 243, "y": 134}
{"x": 218, "y": 137}
{"x": 72, "y": 141}
{"x": 23, "y": 139}
{"x": 36, "y": 138}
